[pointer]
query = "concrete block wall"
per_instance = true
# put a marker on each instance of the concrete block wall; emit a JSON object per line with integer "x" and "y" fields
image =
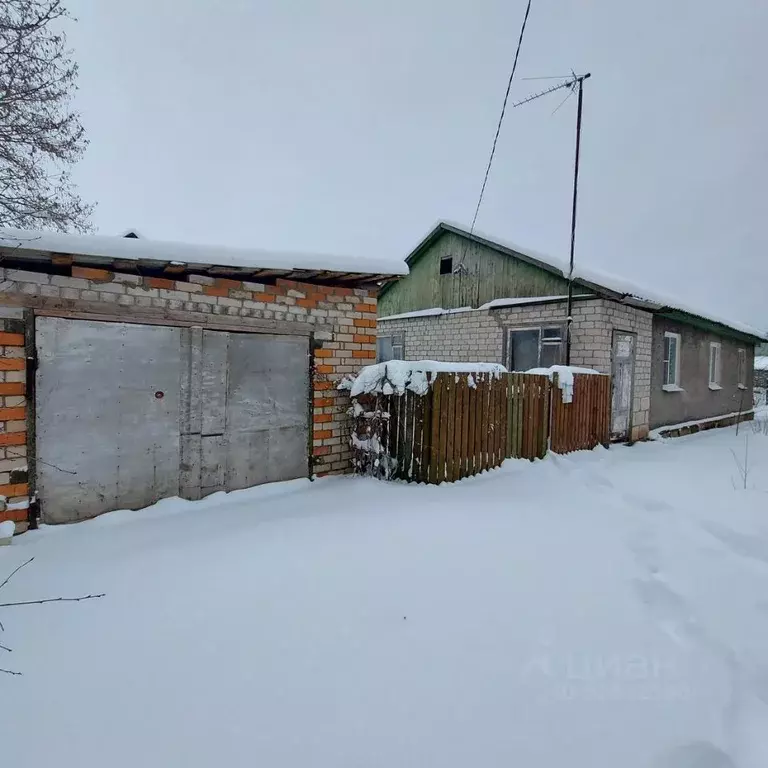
{"x": 340, "y": 320}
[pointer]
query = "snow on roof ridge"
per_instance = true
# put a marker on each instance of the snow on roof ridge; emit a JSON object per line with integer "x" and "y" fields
{"x": 493, "y": 304}
{"x": 431, "y": 312}
{"x": 611, "y": 282}
{"x": 119, "y": 247}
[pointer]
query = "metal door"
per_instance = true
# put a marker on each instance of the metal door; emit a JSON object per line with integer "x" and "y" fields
{"x": 107, "y": 404}
{"x": 128, "y": 414}
{"x": 623, "y": 375}
{"x": 246, "y": 420}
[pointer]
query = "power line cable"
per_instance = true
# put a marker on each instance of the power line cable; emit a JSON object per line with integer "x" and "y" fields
{"x": 501, "y": 118}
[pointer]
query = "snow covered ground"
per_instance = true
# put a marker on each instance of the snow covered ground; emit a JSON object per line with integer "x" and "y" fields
{"x": 602, "y": 609}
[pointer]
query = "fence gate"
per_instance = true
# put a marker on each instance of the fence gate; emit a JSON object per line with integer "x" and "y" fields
{"x": 127, "y": 414}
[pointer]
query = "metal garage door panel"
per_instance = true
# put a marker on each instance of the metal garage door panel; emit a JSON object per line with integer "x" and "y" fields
{"x": 267, "y": 409}
{"x": 98, "y": 416}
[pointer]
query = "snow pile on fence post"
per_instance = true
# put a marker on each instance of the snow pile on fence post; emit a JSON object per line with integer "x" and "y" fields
{"x": 565, "y": 375}
{"x": 396, "y": 376}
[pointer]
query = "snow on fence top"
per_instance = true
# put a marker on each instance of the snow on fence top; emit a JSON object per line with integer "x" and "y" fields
{"x": 138, "y": 248}
{"x": 396, "y": 376}
{"x": 761, "y": 362}
{"x": 564, "y": 377}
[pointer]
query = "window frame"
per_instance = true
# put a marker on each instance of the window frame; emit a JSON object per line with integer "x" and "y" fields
{"x": 741, "y": 373}
{"x": 443, "y": 260}
{"x": 674, "y": 384}
{"x": 717, "y": 348}
{"x": 548, "y": 342}
{"x": 400, "y": 336}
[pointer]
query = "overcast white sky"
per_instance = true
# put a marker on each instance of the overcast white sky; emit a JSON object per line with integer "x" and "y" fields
{"x": 352, "y": 127}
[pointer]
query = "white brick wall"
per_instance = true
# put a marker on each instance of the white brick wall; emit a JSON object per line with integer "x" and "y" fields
{"x": 458, "y": 337}
{"x": 478, "y": 335}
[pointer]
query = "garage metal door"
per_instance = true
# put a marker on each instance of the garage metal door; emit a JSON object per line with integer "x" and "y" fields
{"x": 128, "y": 414}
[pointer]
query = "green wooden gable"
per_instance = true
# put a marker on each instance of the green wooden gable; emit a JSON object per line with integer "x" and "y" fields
{"x": 452, "y": 268}
{"x": 478, "y": 272}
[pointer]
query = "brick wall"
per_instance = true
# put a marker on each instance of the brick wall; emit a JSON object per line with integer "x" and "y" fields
{"x": 13, "y": 414}
{"x": 593, "y": 326}
{"x": 342, "y": 322}
{"x": 478, "y": 335}
{"x": 458, "y": 337}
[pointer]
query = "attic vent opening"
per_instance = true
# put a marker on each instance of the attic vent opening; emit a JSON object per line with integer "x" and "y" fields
{"x": 446, "y": 265}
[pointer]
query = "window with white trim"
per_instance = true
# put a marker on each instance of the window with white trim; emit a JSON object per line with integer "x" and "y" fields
{"x": 389, "y": 348}
{"x": 742, "y": 369}
{"x": 671, "y": 374}
{"x": 534, "y": 348}
{"x": 714, "y": 365}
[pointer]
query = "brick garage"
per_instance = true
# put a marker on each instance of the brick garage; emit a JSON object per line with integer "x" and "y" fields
{"x": 332, "y": 311}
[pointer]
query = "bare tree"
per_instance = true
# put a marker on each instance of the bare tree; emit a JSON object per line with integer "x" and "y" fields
{"x": 40, "y": 134}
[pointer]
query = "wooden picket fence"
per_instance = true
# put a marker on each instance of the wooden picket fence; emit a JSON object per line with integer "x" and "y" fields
{"x": 467, "y": 423}
{"x": 528, "y": 415}
{"x": 586, "y": 421}
{"x": 456, "y": 430}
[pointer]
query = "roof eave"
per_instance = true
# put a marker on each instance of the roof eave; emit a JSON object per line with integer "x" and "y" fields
{"x": 177, "y": 269}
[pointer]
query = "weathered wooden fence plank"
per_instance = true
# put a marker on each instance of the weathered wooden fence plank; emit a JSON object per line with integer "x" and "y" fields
{"x": 465, "y": 426}
{"x": 494, "y": 415}
{"x": 437, "y": 391}
{"x": 471, "y": 426}
{"x": 450, "y": 423}
{"x": 519, "y": 416}
{"x": 426, "y": 436}
{"x": 418, "y": 427}
{"x": 458, "y": 443}
{"x": 503, "y": 419}
{"x": 444, "y": 419}
{"x": 478, "y": 462}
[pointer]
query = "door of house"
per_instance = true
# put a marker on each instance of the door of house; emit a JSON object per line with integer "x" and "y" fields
{"x": 127, "y": 414}
{"x": 623, "y": 375}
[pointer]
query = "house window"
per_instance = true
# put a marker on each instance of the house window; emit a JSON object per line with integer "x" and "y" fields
{"x": 446, "y": 265}
{"x": 671, "y": 375}
{"x": 714, "y": 365}
{"x": 389, "y": 348}
{"x": 742, "y": 369}
{"x": 534, "y": 348}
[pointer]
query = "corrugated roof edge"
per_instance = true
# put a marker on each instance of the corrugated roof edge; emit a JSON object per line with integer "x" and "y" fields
{"x": 602, "y": 283}
{"x": 141, "y": 249}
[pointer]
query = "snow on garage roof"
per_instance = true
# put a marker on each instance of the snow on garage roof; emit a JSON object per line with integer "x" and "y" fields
{"x": 623, "y": 290}
{"x": 107, "y": 247}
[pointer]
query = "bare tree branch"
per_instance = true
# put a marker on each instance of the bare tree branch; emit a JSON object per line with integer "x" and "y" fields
{"x": 15, "y": 571}
{"x": 34, "y": 602}
{"x": 53, "y": 600}
{"x": 40, "y": 134}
